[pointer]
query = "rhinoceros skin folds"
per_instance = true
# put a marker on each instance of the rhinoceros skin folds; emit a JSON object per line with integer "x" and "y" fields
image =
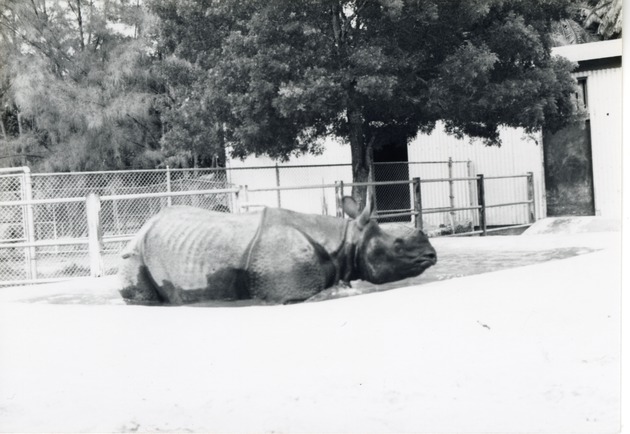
{"x": 186, "y": 255}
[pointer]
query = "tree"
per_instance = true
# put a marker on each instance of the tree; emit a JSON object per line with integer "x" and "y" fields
{"x": 77, "y": 75}
{"x": 278, "y": 75}
{"x": 191, "y": 136}
{"x": 588, "y": 21}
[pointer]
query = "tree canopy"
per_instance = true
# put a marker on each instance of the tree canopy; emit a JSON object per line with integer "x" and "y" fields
{"x": 279, "y": 74}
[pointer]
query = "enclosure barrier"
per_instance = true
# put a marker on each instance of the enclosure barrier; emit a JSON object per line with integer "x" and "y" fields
{"x": 418, "y": 211}
{"x": 95, "y": 238}
{"x": 88, "y": 230}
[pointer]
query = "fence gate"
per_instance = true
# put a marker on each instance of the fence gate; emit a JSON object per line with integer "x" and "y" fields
{"x": 16, "y": 224}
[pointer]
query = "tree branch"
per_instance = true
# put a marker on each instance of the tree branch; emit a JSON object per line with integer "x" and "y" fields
{"x": 147, "y": 129}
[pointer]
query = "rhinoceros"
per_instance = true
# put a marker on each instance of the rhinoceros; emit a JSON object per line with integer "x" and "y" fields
{"x": 187, "y": 255}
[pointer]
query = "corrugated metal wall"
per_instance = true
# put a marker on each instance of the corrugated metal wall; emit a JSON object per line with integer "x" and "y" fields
{"x": 604, "y": 100}
{"x": 244, "y": 172}
{"x": 519, "y": 154}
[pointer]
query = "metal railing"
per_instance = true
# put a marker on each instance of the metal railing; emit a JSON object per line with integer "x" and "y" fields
{"x": 417, "y": 212}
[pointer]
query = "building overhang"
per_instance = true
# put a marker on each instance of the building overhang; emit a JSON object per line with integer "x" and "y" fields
{"x": 593, "y": 55}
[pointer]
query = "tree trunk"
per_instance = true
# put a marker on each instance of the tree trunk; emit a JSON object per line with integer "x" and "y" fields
{"x": 361, "y": 151}
{"x": 89, "y": 40}
{"x": 3, "y": 130}
{"x": 80, "y": 23}
{"x": 4, "y": 136}
{"x": 20, "y": 132}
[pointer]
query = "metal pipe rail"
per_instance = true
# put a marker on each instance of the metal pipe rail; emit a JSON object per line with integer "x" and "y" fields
{"x": 397, "y": 214}
{"x": 466, "y": 178}
{"x": 446, "y": 209}
{"x": 384, "y": 163}
{"x": 507, "y": 176}
{"x": 42, "y": 201}
{"x": 297, "y": 187}
{"x": 526, "y": 202}
{"x": 121, "y": 197}
{"x": 169, "y": 194}
{"x": 62, "y": 242}
{"x": 422, "y": 181}
{"x": 45, "y": 243}
{"x": 367, "y": 184}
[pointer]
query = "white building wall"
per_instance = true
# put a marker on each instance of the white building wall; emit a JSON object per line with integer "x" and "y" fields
{"x": 604, "y": 99}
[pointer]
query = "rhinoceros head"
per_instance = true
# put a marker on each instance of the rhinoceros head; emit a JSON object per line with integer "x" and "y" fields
{"x": 381, "y": 256}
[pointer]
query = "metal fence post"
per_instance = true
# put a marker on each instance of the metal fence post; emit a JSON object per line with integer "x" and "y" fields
{"x": 29, "y": 225}
{"x": 339, "y": 198}
{"x": 244, "y": 198}
{"x": 471, "y": 190}
{"x": 278, "y": 185}
{"x": 236, "y": 202}
{"x": 531, "y": 197}
{"x": 481, "y": 200}
{"x": 451, "y": 191}
{"x": 169, "y": 201}
{"x": 417, "y": 203}
{"x": 95, "y": 234}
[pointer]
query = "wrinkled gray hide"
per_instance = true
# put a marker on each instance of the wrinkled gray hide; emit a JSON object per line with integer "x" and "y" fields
{"x": 189, "y": 255}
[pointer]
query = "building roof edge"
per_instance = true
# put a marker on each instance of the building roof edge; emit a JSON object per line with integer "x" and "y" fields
{"x": 589, "y": 51}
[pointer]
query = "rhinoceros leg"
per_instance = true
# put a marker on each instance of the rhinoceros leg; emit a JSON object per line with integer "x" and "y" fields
{"x": 284, "y": 265}
{"x": 137, "y": 286}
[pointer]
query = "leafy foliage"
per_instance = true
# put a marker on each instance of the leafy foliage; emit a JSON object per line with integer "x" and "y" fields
{"x": 278, "y": 75}
{"x": 79, "y": 78}
{"x": 109, "y": 84}
{"x": 588, "y": 21}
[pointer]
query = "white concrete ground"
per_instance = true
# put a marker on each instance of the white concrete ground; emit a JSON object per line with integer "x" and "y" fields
{"x": 528, "y": 349}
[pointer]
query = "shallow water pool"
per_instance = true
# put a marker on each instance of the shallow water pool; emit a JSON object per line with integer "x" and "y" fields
{"x": 453, "y": 262}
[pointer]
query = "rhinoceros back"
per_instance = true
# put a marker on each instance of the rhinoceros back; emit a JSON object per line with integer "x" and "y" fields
{"x": 193, "y": 253}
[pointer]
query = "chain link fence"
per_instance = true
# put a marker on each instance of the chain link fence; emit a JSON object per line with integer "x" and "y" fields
{"x": 43, "y": 218}
{"x": 51, "y": 228}
{"x": 12, "y": 223}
